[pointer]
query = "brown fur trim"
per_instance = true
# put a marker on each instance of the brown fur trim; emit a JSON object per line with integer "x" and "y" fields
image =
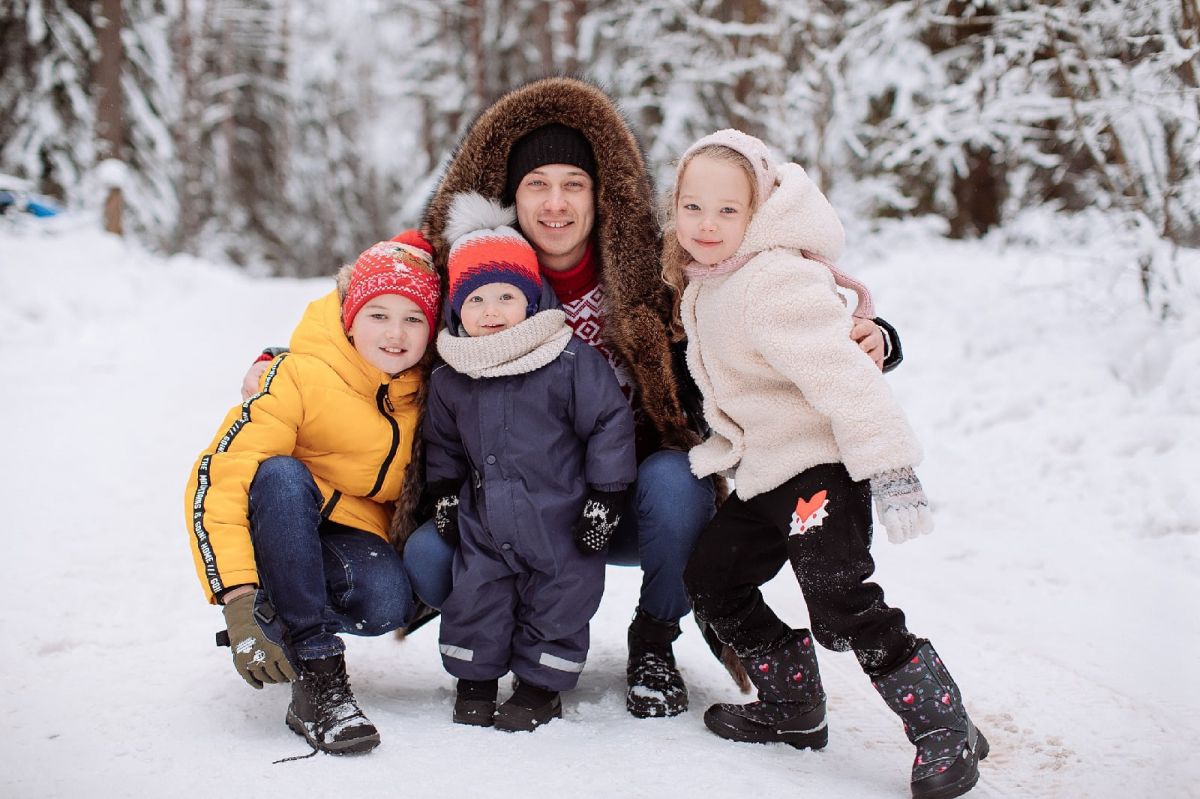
{"x": 637, "y": 325}
{"x": 342, "y": 277}
{"x": 737, "y": 671}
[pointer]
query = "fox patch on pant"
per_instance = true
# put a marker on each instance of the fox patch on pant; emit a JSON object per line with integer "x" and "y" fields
{"x": 809, "y": 513}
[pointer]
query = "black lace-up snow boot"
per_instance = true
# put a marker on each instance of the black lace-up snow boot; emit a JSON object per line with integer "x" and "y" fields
{"x": 324, "y": 710}
{"x": 656, "y": 687}
{"x": 528, "y": 708}
{"x": 476, "y": 702}
{"x": 921, "y": 692}
{"x": 791, "y": 702}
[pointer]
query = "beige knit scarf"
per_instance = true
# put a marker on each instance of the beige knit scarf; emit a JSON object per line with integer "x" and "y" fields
{"x": 522, "y": 348}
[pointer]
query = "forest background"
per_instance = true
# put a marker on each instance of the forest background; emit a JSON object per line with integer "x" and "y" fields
{"x": 288, "y": 135}
{"x": 1021, "y": 187}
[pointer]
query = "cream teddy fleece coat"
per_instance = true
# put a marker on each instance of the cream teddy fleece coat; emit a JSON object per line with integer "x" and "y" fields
{"x": 785, "y": 388}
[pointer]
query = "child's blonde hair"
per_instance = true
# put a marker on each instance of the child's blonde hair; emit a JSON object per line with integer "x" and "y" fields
{"x": 674, "y": 257}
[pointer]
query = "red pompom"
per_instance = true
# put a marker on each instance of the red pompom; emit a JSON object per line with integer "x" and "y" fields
{"x": 413, "y": 238}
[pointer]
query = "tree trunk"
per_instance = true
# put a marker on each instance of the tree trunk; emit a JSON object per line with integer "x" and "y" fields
{"x": 544, "y": 38}
{"x": 479, "y": 60}
{"x": 573, "y": 12}
{"x": 110, "y": 113}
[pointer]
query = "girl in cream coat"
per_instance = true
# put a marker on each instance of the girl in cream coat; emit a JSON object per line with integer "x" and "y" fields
{"x": 809, "y": 431}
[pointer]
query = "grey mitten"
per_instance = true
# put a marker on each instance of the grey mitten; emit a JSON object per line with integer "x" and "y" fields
{"x": 901, "y": 505}
{"x": 257, "y": 637}
{"x": 599, "y": 520}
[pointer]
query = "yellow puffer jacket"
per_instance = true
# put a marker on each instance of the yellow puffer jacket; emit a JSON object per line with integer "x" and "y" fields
{"x": 349, "y": 423}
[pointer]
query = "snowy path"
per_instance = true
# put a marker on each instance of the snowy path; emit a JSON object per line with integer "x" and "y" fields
{"x": 1060, "y": 585}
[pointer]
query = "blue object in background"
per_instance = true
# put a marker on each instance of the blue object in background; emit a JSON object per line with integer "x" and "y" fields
{"x": 19, "y": 201}
{"x": 40, "y": 208}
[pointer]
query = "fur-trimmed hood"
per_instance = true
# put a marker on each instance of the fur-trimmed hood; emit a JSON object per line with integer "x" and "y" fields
{"x": 626, "y": 235}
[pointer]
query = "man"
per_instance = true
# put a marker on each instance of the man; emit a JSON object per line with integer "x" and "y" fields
{"x": 562, "y": 152}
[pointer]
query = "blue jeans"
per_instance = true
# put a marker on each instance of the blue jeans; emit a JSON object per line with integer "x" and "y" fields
{"x": 667, "y": 509}
{"x": 323, "y": 578}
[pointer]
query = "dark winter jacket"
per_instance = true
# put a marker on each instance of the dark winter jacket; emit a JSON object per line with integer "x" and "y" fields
{"x": 638, "y": 302}
{"x": 527, "y": 446}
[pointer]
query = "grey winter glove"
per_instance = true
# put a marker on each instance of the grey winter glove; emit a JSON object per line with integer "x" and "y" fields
{"x": 599, "y": 520}
{"x": 258, "y": 640}
{"x": 901, "y": 505}
{"x": 445, "y": 510}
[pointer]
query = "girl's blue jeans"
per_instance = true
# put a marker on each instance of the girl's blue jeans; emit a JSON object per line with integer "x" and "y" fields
{"x": 323, "y": 578}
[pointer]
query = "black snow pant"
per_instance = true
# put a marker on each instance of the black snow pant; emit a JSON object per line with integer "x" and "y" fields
{"x": 820, "y": 520}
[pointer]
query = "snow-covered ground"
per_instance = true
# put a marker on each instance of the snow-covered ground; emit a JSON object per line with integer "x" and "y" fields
{"x": 1061, "y": 427}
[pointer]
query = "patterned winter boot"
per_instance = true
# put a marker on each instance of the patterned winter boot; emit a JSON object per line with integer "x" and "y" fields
{"x": 656, "y": 687}
{"x": 324, "y": 709}
{"x": 791, "y": 702}
{"x": 921, "y": 692}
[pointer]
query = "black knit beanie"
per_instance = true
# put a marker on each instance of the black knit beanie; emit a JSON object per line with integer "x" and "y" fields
{"x": 550, "y": 144}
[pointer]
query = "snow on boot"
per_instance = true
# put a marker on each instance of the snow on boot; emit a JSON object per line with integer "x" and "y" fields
{"x": 921, "y": 692}
{"x": 656, "y": 687}
{"x": 476, "y": 702}
{"x": 791, "y": 702}
{"x": 324, "y": 710}
{"x": 528, "y": 708}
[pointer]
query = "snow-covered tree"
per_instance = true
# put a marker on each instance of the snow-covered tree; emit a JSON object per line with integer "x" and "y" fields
{"x": 295, "y": 133}
{"x": 49, "y": 131}
{"x": 47, "y": 118}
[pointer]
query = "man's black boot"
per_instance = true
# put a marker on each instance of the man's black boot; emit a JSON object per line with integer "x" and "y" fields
{"x": 656, "y": 687}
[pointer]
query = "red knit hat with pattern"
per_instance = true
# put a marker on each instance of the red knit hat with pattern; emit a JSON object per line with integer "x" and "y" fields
{"x": 401, "y": 266}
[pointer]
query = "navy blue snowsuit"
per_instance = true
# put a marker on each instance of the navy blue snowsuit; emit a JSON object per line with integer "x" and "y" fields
{"x": 527, "y": 447}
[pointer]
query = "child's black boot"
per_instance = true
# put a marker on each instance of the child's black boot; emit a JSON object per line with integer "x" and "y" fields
{"x": 325, "y": 712}
{"x": 656, "y": 687}
{"x": 528, "y": 708}
{"x": 922, "y": 693}
{"x": 791, "y": 702}
{"x": 476, "y": 702}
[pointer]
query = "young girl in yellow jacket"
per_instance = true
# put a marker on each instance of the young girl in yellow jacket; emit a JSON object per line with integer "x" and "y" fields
{"x": 289, "y": 509}
{"x": 809, "y": 431}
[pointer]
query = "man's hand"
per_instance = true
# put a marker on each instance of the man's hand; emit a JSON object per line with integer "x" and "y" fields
{"x": 252, "y": 378}
{"x": 869, "y": 338}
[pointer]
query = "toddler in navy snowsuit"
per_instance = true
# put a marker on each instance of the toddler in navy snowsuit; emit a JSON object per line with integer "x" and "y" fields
{"x": 530, "y": 451}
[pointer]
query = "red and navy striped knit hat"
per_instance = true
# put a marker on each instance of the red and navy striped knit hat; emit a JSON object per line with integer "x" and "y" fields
{"x": 486, "y": 249}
